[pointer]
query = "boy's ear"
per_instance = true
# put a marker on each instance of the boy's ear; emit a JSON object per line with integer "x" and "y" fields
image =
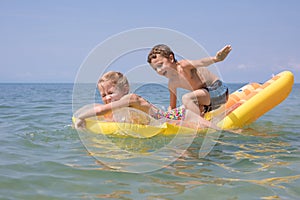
{"x": 171, "y": 57}
{"x": 126, "y": 89}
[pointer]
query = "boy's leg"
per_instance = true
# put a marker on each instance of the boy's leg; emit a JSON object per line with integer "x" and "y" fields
{"x": 198, "y": 121}
{"x": 195, "y": 100}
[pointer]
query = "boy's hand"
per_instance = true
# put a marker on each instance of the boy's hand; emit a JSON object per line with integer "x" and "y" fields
{"x": 222, "y": 54}
{"x": 80, "y": 123}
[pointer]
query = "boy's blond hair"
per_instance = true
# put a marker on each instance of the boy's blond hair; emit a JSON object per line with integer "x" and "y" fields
{"x": 117, "y": 79}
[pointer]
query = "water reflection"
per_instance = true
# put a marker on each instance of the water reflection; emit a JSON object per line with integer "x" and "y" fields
{"x": 260, "y": 162}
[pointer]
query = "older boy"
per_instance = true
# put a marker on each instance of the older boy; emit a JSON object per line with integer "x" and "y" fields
{"x": 207, "y": 91}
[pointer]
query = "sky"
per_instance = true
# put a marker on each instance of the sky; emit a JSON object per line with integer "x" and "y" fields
{"x": 51, "y": 41}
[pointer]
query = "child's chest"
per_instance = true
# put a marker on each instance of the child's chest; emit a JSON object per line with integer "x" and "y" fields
{"x": 189, "y": 79}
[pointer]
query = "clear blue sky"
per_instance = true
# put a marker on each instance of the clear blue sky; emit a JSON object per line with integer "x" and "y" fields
{"x": 47, "y": 41}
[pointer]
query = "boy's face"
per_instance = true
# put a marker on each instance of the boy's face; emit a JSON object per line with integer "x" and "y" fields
{"x": 109, "y": 92}
{"x": 162, "y": 65}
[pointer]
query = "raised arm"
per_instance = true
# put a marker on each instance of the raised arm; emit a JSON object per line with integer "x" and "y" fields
{"x": 204, "y": 62}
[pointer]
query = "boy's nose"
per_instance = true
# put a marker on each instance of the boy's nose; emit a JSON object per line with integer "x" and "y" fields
{"x": 159, "y": 71}
{"x": 108, "y": 98}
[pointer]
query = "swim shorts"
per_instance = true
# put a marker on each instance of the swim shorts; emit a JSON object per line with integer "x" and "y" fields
{"x": 218, "y": 95}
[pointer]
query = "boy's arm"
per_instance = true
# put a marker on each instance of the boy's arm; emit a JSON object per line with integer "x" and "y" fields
{"x": 98, "y": 109}
{"x": 126, "y": 101}
{"x": 101, "y": 109}
{"x": 220, "y": 56}
{"x": 173, "y": 98}
{"x": 91, "y": 112}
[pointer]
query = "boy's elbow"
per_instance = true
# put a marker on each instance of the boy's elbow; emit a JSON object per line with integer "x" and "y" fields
{"x": 98, "y": 110}
{"x": 134, "y": 99}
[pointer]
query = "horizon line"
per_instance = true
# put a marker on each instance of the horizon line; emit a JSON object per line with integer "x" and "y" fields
{"x": 131, "y": 82}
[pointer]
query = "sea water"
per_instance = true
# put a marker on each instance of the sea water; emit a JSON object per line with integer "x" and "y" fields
{"x": 43, "y": 157}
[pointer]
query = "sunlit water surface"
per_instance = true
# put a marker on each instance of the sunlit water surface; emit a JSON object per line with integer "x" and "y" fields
{"x": 42, "y": 156}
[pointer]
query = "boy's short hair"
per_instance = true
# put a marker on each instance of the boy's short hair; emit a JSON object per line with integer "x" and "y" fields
{"x": 161, "y": 49}
{"x": 116, "y": 78}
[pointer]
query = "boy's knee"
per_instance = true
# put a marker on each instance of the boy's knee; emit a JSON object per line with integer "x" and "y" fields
{"x": 188, "y": 99}
{"x": 185, "y": 99}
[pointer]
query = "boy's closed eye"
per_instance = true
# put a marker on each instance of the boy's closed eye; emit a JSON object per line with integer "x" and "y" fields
{"x": 109, "y": 93}
{"x": 158, "y": 67}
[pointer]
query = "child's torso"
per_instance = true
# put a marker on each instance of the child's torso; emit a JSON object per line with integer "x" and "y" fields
{"x": 194, "y": 79}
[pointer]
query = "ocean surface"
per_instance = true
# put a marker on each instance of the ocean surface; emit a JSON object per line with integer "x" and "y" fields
{"x": 43, "y": 157}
